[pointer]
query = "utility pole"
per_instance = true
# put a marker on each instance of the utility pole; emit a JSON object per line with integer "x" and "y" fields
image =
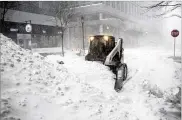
{"x": 174, "y": 46}
{"x": 31, "y": 37}
{"x": 181, "y": 40}
{"x": 82, "y": 21}
{"x": 175, "y": 34}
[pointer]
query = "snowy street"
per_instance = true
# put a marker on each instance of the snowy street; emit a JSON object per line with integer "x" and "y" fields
{"x": 90, "y": 60}
{"x": 38, "y": 88}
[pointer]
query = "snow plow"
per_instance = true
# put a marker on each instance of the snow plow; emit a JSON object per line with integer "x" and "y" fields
{"x": 104, "y": 48}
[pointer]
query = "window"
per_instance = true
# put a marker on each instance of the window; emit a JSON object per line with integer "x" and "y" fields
{"x": 40, "y": 4}
{"x": 122, "y": 6}
{"x": 128, "y": 8}
{"x": 132, "y": 9}
{"x": 107, "y": 2}
{"x": 113, "y": 4}
{"x": 118, "y": 5}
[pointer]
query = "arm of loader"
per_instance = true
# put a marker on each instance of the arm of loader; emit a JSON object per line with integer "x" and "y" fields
{"x": 117, "y": 48}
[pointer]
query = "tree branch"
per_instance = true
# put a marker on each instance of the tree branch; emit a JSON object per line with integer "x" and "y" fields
{"x": 153, "y": 6}
{"x": 171, "y": 5}
{"x": 168, "y": 11}
{"x": 173, "y": 15}
{"x": 165, "y": 5}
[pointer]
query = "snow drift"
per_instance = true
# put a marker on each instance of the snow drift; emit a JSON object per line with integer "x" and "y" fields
{"x": 27, "y": 78}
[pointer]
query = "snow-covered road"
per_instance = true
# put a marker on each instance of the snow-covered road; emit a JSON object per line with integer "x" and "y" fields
{"x": 38, "y": 88}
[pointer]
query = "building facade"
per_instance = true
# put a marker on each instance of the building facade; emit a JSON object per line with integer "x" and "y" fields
{"x": 44, "y": 30}
{"x": 122, "y": 19}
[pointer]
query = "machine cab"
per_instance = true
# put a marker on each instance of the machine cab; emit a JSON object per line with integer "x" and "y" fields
{"x": 100, "y": 46}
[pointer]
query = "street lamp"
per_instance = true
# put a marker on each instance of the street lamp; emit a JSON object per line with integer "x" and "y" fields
{"x": 82, "y": 21}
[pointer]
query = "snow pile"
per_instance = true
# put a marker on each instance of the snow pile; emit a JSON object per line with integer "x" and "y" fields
{"x": 93, "y": 73}
{"x": 27, "y": 77}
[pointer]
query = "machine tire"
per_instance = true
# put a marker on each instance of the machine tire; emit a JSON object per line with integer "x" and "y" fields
{"x": 125, "y": 71}
{"x": 121, "y": 75}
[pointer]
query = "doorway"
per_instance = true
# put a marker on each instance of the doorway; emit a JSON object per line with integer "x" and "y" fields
{"x": 24, "y": 40}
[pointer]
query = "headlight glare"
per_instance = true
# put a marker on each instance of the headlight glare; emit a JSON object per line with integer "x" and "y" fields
{"x": 91, "y": 38}
{"x": 106, "y": 38}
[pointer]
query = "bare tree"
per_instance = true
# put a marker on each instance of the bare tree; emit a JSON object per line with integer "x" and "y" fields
{"x": 169, "y": 7}
{"x": 64, "y": 11}
{"x": 4, "y": 7}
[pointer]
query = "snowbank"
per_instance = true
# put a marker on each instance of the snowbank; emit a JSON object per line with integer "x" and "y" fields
{"x": 27, "y": 80}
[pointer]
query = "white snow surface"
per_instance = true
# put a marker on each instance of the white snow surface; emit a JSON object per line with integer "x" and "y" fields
{"x": 34, "y": 87}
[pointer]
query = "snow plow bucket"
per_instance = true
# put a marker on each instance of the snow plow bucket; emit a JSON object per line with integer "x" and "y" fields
{"x": 100, "y": 46}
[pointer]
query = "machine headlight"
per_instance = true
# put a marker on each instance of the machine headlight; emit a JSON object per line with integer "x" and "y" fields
{"x": 106, "y": 38}
{"x": 91, "y": 38}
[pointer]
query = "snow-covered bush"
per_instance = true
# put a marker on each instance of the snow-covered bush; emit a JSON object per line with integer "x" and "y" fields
{"x": 152, "y": 89}
{"x": 173, "y": 95}
{"x": 24, "y": 72}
